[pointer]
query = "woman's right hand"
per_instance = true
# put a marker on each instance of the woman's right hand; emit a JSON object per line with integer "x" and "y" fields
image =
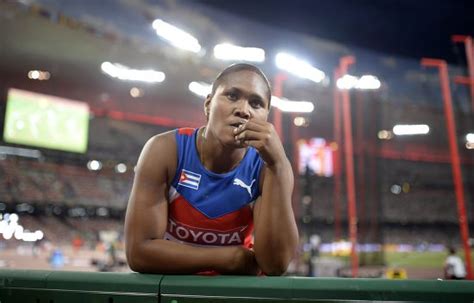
{"x": 243, "y": 262}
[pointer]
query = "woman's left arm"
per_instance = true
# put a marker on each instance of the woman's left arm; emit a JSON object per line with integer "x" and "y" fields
{"x": 276, "y": 233}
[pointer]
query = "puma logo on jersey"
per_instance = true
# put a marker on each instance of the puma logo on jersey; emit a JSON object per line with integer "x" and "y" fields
{"x": 241, "y": 183}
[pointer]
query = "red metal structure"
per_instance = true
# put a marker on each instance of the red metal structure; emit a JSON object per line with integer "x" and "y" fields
{"x": 337, "y": 158}
{"x": 278, "y": 92}
{"x": 470, "y": 64}
{"x": 360, "y": 151}
{"x": 453, "y": 148}
{"x": 344, "y": 64}
{"x": 278, "y": 81}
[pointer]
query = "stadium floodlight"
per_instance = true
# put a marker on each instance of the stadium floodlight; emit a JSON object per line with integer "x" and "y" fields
{"x": 136, "y": 92}
{"x": 290, "y": 106}
{"x": 30, "y": 236}
{"x": 470, "y": 141}
{"x": 122, "y": 72}
{"x": 94, "y": 165}
{"x": 201, "y": 89}
{"x": 347, "y": 82}
{"x": 368, "y": 82}
{"x": 176, "y": 36}
{"x": 385, "y": 134}
{"x": 18, "y": 234}
{"x": 470, "y": 137}
{"x": 121, "y": 168}
{"x": 300, "y": 121}
{"x": 299, "y": 67}
{"x": 411, "y": 129}
{"x": 39, "y": 75}
{"x": 365, "y": 82}
{"x": 227, "y": 51}
{"x": 10, "y": 227}
{"x": 39, "y": 234}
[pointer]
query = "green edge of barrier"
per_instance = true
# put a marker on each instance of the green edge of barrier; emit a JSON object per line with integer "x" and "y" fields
{"x": 71, "y": 287}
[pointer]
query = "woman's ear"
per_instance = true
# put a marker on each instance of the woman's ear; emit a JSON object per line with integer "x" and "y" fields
{"x": 207, "y": 104}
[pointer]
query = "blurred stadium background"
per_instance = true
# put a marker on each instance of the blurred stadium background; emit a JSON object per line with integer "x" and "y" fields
{"x": 84, "y": 84}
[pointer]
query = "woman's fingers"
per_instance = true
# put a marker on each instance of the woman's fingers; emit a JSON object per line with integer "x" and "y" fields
{"x": 250, "y": 135}
{"x": 251, "y": 125}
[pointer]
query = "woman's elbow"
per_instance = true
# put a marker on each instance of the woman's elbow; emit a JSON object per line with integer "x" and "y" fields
{"x": 275, "y": 267}
{"x": 135, "y": 259}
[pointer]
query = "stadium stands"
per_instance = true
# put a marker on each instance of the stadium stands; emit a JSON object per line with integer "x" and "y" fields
{"x": 404, "y": 185}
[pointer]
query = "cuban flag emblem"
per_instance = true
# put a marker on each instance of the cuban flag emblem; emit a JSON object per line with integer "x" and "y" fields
{"x": 189, "y": 179}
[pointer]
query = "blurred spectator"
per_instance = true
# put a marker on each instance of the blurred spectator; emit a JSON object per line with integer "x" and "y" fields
{"x": 454, "y": 266}
{"x": 56, "y": 260}
{"x": 77, "y": 243}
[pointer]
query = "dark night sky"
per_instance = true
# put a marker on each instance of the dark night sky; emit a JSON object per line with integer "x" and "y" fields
{"x": 411, "y": 28}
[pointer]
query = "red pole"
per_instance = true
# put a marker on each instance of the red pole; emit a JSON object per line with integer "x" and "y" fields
{"x": 453, "y": 148}
{"x": 351, "y": 198}
{"x": 360, "y": 163}
{"x": 296, "y": 158}
{"x": 470, "y": 61}
{"x": 278, "y": 92}
{"x": 337, "y": 158}
{"x": 277, "y": 122}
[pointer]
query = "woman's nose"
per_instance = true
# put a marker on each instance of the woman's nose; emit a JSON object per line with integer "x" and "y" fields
{"x": 243, "y": 109}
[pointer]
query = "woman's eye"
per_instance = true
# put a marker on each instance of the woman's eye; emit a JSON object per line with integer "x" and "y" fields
{"x": 232, "y": 96}
{"x": 256, "y": 104}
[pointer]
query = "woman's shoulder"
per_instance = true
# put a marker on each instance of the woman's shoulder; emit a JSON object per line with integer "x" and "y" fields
{"x": 161, "y": 142}
{"x": 161, "y": 150}
{"x": 162, "y": 147}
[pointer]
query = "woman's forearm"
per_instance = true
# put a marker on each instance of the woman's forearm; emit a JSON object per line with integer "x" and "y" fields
{"x": 276, "y": 233}
{"x": 168, "y": 257}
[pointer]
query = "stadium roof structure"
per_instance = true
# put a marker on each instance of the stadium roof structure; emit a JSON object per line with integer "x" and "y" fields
{"x": 73, "y": 39}
{"x": 407, "y": 28}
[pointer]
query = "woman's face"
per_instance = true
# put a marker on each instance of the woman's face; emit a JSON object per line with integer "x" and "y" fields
{"x": 241, "y": 96}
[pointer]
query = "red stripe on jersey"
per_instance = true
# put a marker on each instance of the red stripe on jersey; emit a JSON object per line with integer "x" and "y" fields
{"x": 182, "y": 211}
{"x": 185, "y": 223}
{"x": 186, "y": 131}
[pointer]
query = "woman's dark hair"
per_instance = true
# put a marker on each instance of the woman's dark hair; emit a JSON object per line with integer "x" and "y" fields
{"x": 241, "y": 67}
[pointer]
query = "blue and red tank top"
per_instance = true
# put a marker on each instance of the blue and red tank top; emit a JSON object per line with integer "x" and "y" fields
{"x": 207, "y": 208}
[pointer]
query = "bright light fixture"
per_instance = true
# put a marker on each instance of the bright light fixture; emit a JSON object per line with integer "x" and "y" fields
{"x": 346, "y": 82}
{"x": 299, "y": 67}
{"x": 10, "y": 227}
{"x": 385, "y": 134}
{"x": 94, "y": 165}
{"x": 39, "y": 75}
{"x": 33, "y": 74}
{"x": 175, "y": 36}
{"x": 470, "y": 141}
{"x": 396, "y": 189}
{"x": 364, "y": 82}
{"x": 470, "y": 137}
{"x": 289, "y": 106}
{"x": 411, "y": 129}
{"x": 136, "y": 92}
{"x": 226, "y": 51}
{"x": 122, "y": 72}
{"x": 300, "y": 121}
{"x": 368, "y": 82}
{"x": 121, "y": 168}
{"x": 201, "y": 89}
